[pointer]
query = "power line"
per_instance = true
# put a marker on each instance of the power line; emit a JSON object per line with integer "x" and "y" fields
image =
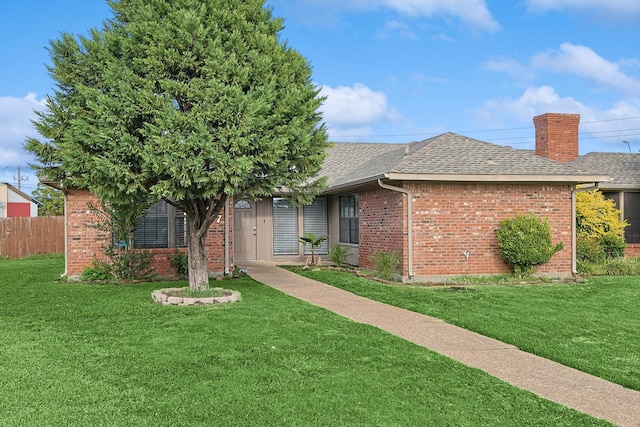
{"x": 463, "y": 132}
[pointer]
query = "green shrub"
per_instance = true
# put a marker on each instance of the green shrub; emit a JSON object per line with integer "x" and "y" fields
{"x": 589, "y": 250}
{"x": 338, "y": 255}
{"x": 588, "y": 268}
{"x": 622, "y": 267}
{"x": 386, "y": 264}
{"x": 613, "y": 246}
{"x": 180, "y": 261}
{"x": 99, "y": 271}
{"x": 128, "y": 265}
{"x": 525, "y": 242}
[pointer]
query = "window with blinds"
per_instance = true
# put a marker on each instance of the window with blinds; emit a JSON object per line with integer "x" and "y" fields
{"x": 632, "y": 215}
{"x": 349, "y": 219}
{"x": 161, "y": 226}
{"x": 315, "y": 222}
{"x": 285, "y": 227}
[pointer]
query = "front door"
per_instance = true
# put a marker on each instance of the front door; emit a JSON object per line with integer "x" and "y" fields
{"x": 244, "y": 230}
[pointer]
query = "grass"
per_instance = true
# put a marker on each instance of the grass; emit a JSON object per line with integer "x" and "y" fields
{"x": 591, "y": 326}
{"x": 105, "y": 355}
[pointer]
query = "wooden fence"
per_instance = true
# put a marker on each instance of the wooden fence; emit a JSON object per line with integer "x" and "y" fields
{"x": 20, "y": 237}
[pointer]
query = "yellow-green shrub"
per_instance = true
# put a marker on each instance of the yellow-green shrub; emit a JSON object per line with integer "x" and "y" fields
{"x": 599, "y": 225}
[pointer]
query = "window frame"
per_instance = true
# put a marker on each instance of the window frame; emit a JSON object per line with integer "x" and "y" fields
{"x": 167, "y": 228}
{"x": 348, "y": 219}
{"x": 285, "y": 227}
{"x": 315, "y": 220}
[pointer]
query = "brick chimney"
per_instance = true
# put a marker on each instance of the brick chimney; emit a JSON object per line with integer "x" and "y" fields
{"x": 557, "y": 136}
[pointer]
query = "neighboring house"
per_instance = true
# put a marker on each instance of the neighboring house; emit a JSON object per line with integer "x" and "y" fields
{"x": 437, "y": 202}
{"x": 15, "y": 203}
{"x": 623, "y": 188}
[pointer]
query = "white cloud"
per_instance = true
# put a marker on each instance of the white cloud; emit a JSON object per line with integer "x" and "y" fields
{"x": 396, "y": 27}
{"x": 443, "y": 38}
{"x": 511, "y": 67}
{"x": 354, "y": 106}
{"x": 472, "y": 12}
{"x": 354, "y": 110}
{"x": 534, "y": 101}
{"x": 584, "y": 62}
{"x": 15, "y": 126}
{"x": 627, "y": 9}
{"x": 598, "y": 125}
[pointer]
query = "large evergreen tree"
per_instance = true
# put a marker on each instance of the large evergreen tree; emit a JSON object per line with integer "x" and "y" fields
{"x": 190, "y": 101}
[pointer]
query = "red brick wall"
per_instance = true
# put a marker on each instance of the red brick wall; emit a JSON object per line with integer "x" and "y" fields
{"x": 449, "y": 219}
{"x": 84, "y": 243}
{"x": 382, "y": 224}
{"x": 557, "y": 136}
{"x": 632, "y": 250}
{"x": 214, "y": 243}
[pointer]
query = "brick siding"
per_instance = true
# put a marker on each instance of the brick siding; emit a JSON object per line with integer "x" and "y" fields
{"x": 632, "y": 250}
{"x": 451, "y": 218}
{"x": 382, "y": 225}
{"x": 84, "y": 243}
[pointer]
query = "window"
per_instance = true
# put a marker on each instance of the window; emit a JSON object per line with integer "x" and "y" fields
{"x": 315, "y": 222}
{"x": 349, "y": 219}
{"x": 161, "y": 226}
{"x": 285, "y": 227}
{"x": 631, "y": 213}
{"x": 242, "y": 204}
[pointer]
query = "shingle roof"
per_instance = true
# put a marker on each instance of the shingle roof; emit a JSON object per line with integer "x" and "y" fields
{"x": 352, "y": 162}
{"x": 623, "y": 168}
{"x": 455, "y": 154}
{"x": 446, "y": 154}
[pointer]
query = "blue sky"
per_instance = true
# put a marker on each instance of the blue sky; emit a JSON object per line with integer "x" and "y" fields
{"x": 399, "y": 70}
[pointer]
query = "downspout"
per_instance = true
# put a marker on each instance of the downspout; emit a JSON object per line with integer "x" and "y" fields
{"x": 574, "y": 225}
{"x": 227, "y": 256}
{"x": 409, "y": 222}
{"x": 66, "y": 237}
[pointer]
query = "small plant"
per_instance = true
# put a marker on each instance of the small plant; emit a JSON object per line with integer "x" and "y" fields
{"x": 128, "y": 265}
{"x": 622, "y": 267}
{"x": 612, "y": 245}
{"x": 386, "y": 264}
{"x": 313, "y": 241}
{"x": 99, "y": 271}
{"x": 524, "y": 242}
{"x": 338, "y": 255}
{"x": 589, "y": 250}
{"x": 180, "y": 261}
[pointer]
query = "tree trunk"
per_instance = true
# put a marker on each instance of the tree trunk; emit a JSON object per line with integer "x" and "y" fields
{"x": 198, "y": 273}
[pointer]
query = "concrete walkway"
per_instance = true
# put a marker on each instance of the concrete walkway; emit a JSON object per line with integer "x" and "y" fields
{"x": 550, "y": 380}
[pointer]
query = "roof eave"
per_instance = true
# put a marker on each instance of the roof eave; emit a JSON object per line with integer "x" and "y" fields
{"x": 352, "y": 184}
{"x": 614, "y": 186}
{"x": 497, "y": 178}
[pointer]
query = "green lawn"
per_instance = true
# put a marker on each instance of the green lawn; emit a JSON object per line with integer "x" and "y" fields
{"x": 105, "y": 355}
{"x": 591, "y": 326}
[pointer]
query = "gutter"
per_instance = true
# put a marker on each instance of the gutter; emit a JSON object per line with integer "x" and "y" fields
{"x": 66, "y": 236}
{"x": 409, "y": 222}
{"x": 574, "y": 225}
